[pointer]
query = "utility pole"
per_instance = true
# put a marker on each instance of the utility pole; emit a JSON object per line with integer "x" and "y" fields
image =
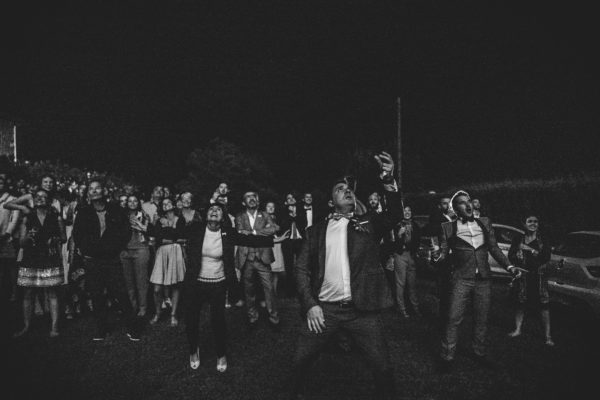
{"x": 399, "y": 142}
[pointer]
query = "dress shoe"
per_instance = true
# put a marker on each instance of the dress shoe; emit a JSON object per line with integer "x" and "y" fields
{"x": 196, "y": 363}
{"x": 445, "y": 366}
{"x": 485, "y": 362}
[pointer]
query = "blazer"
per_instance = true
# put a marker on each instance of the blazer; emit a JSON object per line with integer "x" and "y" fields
{"x": 465, "y": 258}
{"x": 368, "y": 283}
{"x": 229, "y": 239}
{"x": 86, "y": 232}
{"x": 264, "y": 226}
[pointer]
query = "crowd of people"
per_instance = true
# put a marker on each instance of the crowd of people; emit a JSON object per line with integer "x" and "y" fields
{"x": 83, "y": 247}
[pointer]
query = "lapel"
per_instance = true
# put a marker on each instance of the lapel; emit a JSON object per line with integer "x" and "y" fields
{"x": 481, "y": 225}
{"x": 454, "y": 234}
{"x": 322, "y": 233}
{"x": 247, "y": 224}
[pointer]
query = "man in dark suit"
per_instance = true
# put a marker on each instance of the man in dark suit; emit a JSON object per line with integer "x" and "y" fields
{"x": 468, "y": 241}
{"x": 256, "y": 260}
{"x": 342, "y": 285}
{"x": 442, "y": 213}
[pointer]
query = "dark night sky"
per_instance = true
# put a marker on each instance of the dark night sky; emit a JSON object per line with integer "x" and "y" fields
{"x": 488, "y": 92}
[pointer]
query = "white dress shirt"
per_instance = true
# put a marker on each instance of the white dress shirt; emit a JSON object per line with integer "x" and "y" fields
{"x": 309, "y": 217}
{"x": 336, "y": 283}
{"x": 471, "y": 233}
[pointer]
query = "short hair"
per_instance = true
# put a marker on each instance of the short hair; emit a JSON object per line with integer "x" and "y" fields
{"x": 97, "y": 180}
{"x": 456, "y": 195}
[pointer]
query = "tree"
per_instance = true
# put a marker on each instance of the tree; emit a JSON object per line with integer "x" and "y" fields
{"x": 221, "y": 161}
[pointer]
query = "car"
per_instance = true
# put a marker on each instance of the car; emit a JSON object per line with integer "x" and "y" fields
{"x": 504, "y": 234}
{"x": 574, "y": 271}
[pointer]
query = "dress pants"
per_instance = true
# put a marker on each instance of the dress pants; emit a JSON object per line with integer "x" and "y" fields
{"x": 405, "y": 274}
{"x": 367, "y": 331}
{"x": 252, "y": 267}
{"x": 480, "y": 290}
{"x": 135, "y": 270}
{"x": 107, "y": 274}
{"x": 196, "y": 295}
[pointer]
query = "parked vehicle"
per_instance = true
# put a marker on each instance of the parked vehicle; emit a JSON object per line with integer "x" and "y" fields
{"x": 574, "y": 270}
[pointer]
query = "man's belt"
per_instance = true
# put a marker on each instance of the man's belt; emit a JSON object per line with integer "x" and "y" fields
{"x": 340, "y": 304}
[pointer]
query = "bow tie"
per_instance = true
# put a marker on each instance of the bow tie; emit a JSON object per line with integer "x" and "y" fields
{"x": 308, "y": 207}
{"x": 464, "y": 220}
{"x": 337, "y": 216}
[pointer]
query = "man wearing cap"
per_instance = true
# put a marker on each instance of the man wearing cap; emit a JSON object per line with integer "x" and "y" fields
{"x": 469, "y": 240}
{"x": 342, "y": 285}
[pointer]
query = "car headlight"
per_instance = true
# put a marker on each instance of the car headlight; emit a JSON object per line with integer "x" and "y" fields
{"x": 594, "y": 271}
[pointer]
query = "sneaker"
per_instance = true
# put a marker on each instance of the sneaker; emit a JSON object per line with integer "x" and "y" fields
{"x": 133, "y": 336}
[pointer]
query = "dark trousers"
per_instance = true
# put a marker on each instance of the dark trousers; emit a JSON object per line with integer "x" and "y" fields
{"x": 108, "y": 274}
{"x": 291, "y": 249}
{"x": 196, "y": 294}
{"x": 367, "y": 331}
{"x": 480, "y": 291}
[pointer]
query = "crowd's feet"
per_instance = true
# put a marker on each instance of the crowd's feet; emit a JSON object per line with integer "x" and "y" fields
{"x": 174, "y": 321}
{"x": 155, "y": 319}
{"x": 195, "y": 359}
{"x": 222, "y": 364}
{"x": 549, "y": 342}
{"x": 21, "y": 333}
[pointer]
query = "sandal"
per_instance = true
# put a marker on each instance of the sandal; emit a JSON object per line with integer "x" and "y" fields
{"x": 195, "y": 364}
{"x": 222, "y": 364}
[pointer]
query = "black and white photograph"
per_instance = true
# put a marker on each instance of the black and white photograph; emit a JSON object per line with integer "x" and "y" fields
{"x": 299, "y": 200}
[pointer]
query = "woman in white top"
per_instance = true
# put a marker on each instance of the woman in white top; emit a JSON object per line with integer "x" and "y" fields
{"x": 210, "y": 269}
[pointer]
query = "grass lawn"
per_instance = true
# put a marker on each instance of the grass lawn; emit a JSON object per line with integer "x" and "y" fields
{"x": 73, "y": 367}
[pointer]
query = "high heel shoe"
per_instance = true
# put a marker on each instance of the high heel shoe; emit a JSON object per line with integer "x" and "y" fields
{"x": 222, "y": 364}
{"x": 195, "y": 364}
{"x": 549, "y": 342}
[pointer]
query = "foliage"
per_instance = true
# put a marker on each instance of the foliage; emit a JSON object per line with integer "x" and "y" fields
{"x": 221, "y": 161}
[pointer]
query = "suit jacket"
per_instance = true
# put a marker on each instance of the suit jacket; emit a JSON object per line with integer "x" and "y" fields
{"x": 369, "y": 286}
{"x": 229, "y": 239}
{"x": 86, "y": 232}
{"x": 465, "y": 258}
{"x": 434, "y": 226}
{"x": 264, "y": 226}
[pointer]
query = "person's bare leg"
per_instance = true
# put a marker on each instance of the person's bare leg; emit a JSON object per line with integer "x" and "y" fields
{"x": 27, "y": 310}
{"x": 174, "y": 304}
{"x": 519, "y": 315}
{"x": 157, "y": 303}
{"x": 546, "y": 322}
{"x": 53, "y": 305}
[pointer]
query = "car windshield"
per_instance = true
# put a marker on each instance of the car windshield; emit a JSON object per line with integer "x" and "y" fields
{"x": 579, "y": 245}
{"x": 505, "y": 235}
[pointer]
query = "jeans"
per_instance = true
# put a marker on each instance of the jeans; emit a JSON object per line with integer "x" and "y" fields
{"x": 480, "y": 290}
{"x": 264, "y": 275}
{"x": 107, "y": 274}
{"x": 406, "y": 278}
{"x": 365, "y": 328}
{"x": 196, "y": 294}
{"x": 135, "y": 270}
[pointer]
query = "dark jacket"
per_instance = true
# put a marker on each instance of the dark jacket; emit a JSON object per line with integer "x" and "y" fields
{"x": 464, "y": 258}
{"x": 86, "y": 232}
{"x": 398, "y": 245}
{"x": 264, "y": 226}
{"x": 369, "y": 286}
{"x": 230, "y": 238}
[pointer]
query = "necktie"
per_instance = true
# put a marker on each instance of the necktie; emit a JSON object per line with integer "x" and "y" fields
{"x": 337, "y": 216}
{"x": 467, "y": 219}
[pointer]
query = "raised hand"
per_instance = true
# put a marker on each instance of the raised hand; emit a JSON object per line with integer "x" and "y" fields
{"x": 386, "y": 163}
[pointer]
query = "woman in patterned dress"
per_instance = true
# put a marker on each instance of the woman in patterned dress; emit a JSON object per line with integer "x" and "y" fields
{"x": 169, "y": 263}
{"x": 41, "y": 237}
